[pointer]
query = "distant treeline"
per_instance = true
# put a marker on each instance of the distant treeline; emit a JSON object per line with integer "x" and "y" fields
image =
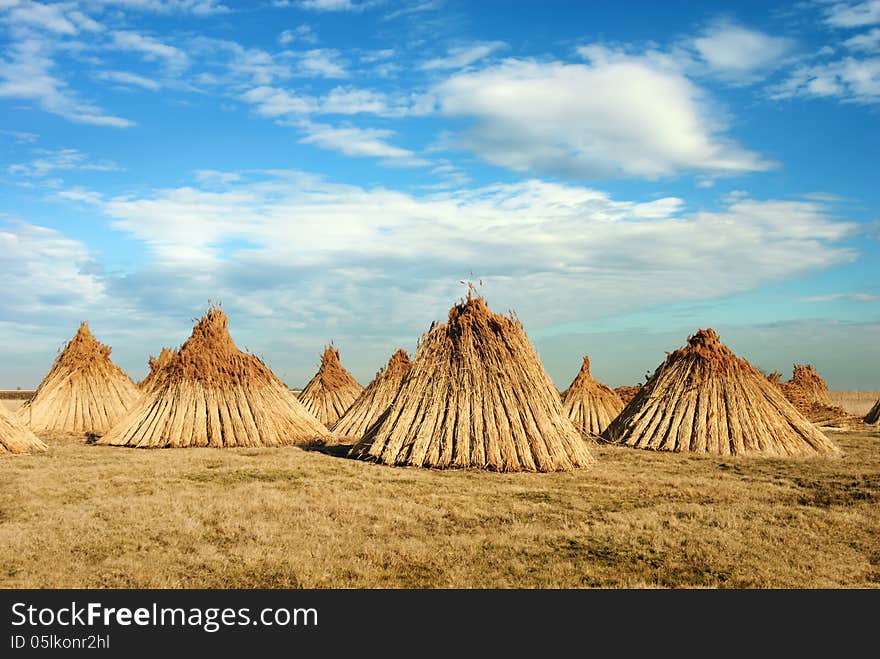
{"x": 17, "y": 394}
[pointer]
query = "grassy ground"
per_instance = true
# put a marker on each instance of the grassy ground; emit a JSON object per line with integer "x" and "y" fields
{"x": 89, "y": 516}
{"x": 858, "y": 403}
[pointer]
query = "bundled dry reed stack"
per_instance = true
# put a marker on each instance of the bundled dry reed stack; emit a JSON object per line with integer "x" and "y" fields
{"x": 375, "y": 399}
{"x": 157, "y": 369}
{"x": 84, "y": 393}
{"x": 14, "y": 437}
{"x": 476, "y": 396}
{"x": 705, "y": 399}
{"x": 589, "y": 404}
{"x": 215, "y": 395}
{"x": 808, "y": 392}
{"x": 627, "y": 393}
{"x": 332, "y": 390}
{"x": 873, "y": 417}
{"x": 805, "y": 378}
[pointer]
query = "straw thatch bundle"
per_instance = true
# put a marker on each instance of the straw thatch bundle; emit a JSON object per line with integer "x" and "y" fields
{"x": 15, "y": 438}
{"x": 589, "y": 404}
{"x": 705, "y": 399}
{"x": 476, "y": 396}
{"x": 157, "y": 369}
{"x": 627, "y": 393}
{"x": 84, "y": 393}
{"x": 808, "y": 393}
{"x": 873, "y": 416}
{"x": 215, "y": 395}
{"x": 375, "y": 399}
{"x": 805, "y": 379}
{"x": 332, "y": 390}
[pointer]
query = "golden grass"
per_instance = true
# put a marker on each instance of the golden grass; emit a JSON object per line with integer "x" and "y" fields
{"x": 92, "y": 516}
{"x": 858, "y": 403}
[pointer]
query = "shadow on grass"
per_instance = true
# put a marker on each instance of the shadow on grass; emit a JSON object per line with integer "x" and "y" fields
{"x": 335, "y": 450}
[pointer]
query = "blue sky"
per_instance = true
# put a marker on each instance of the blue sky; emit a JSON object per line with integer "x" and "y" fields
{"x": 619, "y": 174}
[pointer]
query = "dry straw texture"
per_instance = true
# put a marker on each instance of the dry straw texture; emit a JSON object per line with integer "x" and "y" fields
{"x": 589, "y": 404}
{"x": 805, "y": 378}
{"x": 476, "y": 396}
{"x": 375, "y": 399}
{"x": 158, "y": 370}
{"x": 332, "y": 390}
{"x": 215, "y": 395}
{"x": 705, "y": 399}
{"x": 14, "y": 437}
{"x": 84, "y": 393}
{"x": 627, "y": 393}
{"x": 808, "y": 392}
{"x": 873, "y": 416}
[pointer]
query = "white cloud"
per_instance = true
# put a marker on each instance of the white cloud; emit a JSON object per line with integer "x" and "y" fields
{"x": 322, "y": 63}
{"x": 349, "y": 100}
{"x": 853, "y": 14}
{"x": 868, "y": 41}
{"x": 46, "y": 17}
{"x": 215, "y": 177}
{"x": 50, "y": 161}
{"x": 152, "y": 49}
{"x": 302, "y": 33}
{"x": 414, "y": 8}
{"x": 129, "y": 79}
{"x": 462, "y": 56}
{"x": 334, "y": 5}
{"x": 274, "y": 102}
{"x": 21, "y": 136}
{"x": 535, "y": 241}
{"x": 84, "y": 22}
{"x": 26, "y": 74}
{"x": 450, "y": 177}
{"x": 741, "y": 53}
{"x": 619, "y": 115}
{"x": 195, "y": 7}
{"x": 850, "y": 297}
{"x": 359, "y": 142}
{"x": 377, "y": 55}
{"x": 849, "y": 79}
{"x": 42, "y": 271}
{"x": 277, "y": 102}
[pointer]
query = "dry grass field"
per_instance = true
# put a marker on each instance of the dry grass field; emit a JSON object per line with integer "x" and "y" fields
{"x": 858, "y": 403}
{"x": 90, "y": 516}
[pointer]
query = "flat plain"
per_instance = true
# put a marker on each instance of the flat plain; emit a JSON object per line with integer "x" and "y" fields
{"x": 81, "y": 515}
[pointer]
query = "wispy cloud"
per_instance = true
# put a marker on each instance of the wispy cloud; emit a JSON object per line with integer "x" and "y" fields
{"x": 867, "y": 41}
{"x": 26, "y": 74}
{"x": 195, "y": 7}
{"x": 531, "y": 238}
{"x": 322, "y": 63}
{"x": 21, "y": 136}
{"x": 850, "y": 297}
{"x": 129, "y": 79}
{"x": 849, "y": 79}
{"x": 414, "y": 8}
{"x": 47, "y": 17}
{"x": 359, "y": 142}
{"x": 852, "y": 14}
{"x": 300, "y": 34}
{"x": 274, "y": 102}
{"x": 462, "y": 56}
{"x": 335, "y": 5}
{"x": 45, "y": 271}
{"x": 152, "y": 49}
{"x": 50, "y": 161}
